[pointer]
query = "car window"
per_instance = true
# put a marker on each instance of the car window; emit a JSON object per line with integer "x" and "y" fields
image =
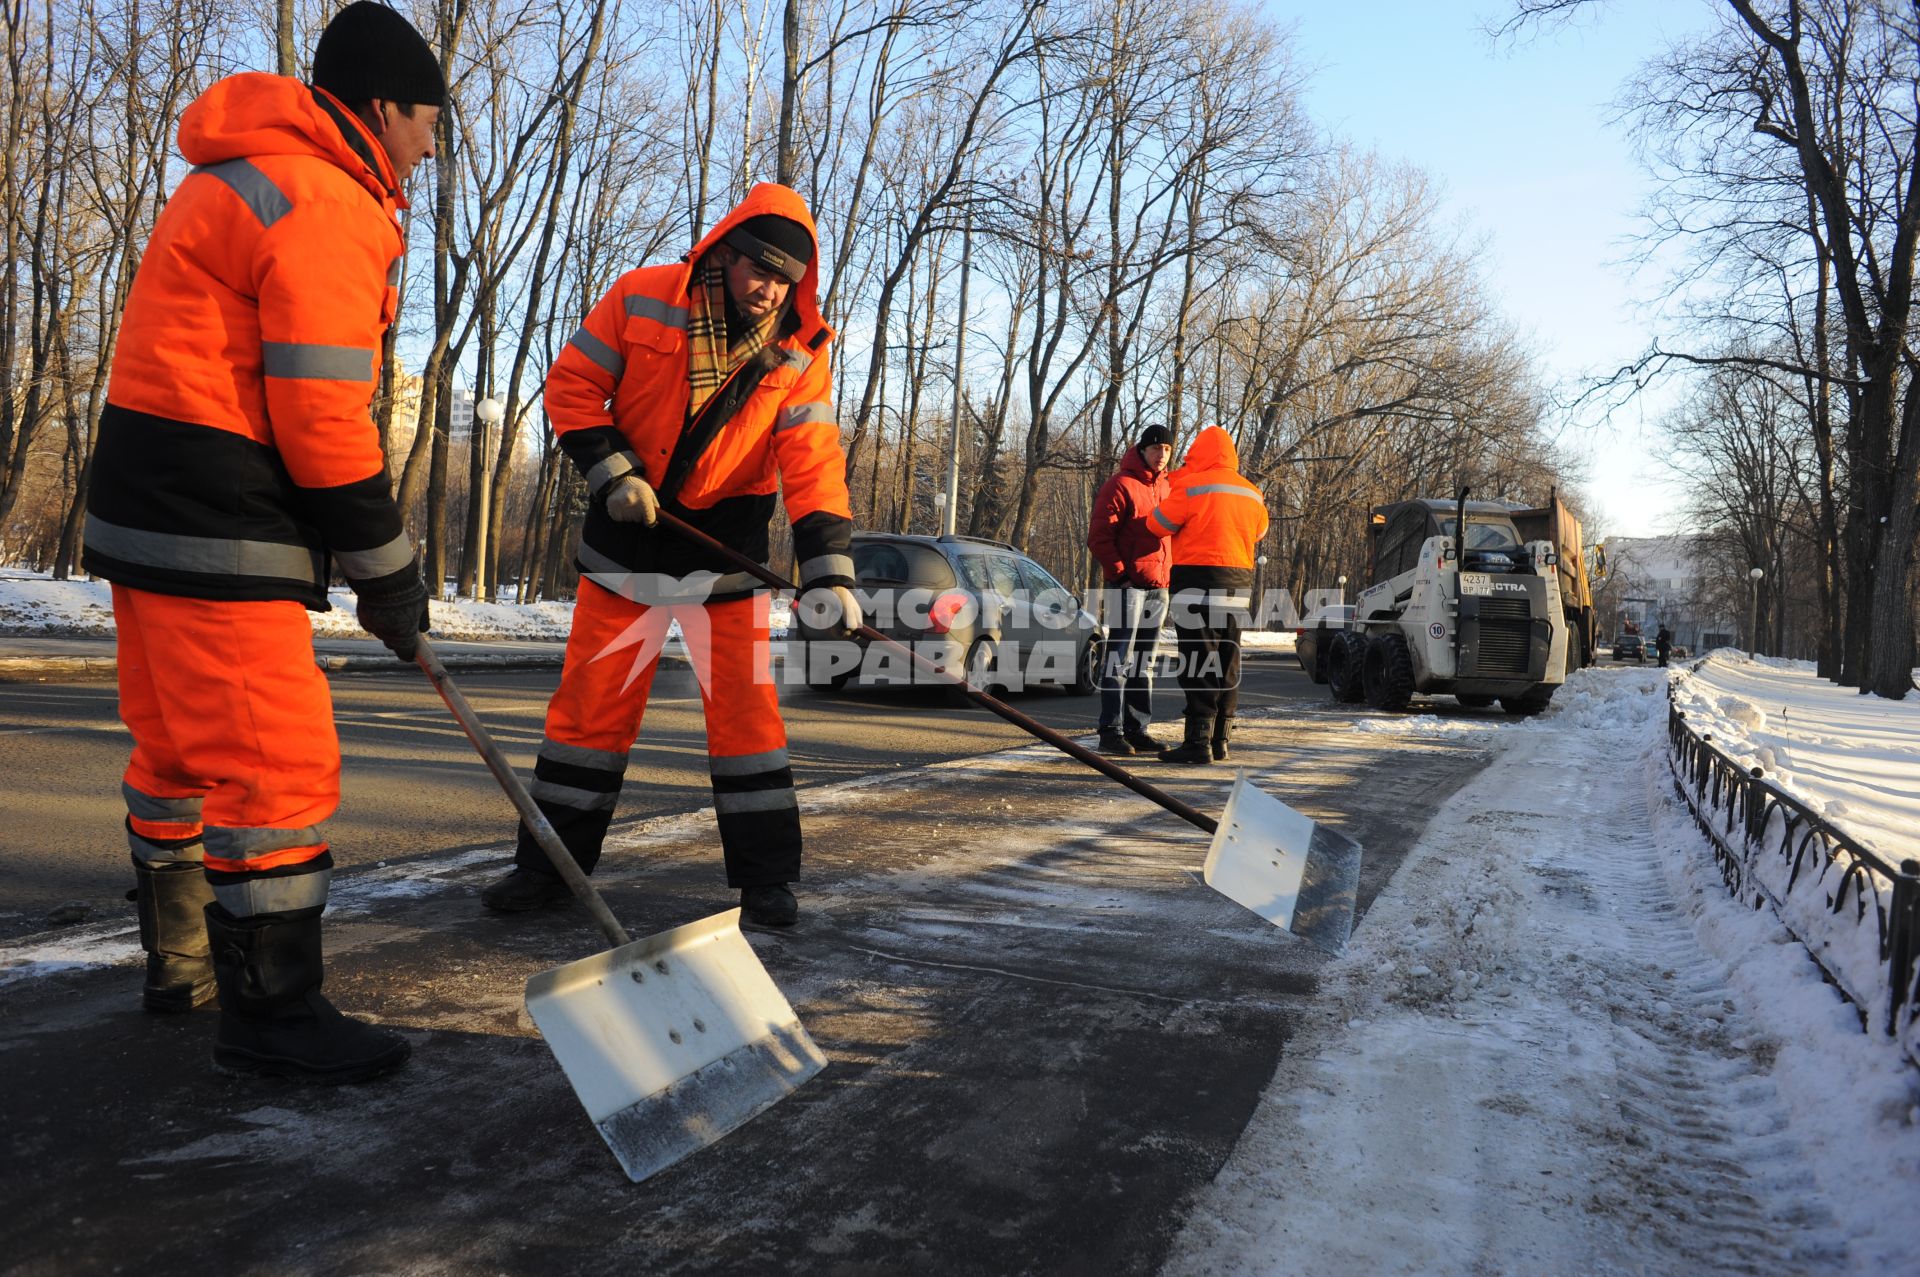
{"x": 973, "y": 571}
{"x": 891, "y": 562}
{"x": 1005, "y": 575}
{"x": 1035, "y": 578}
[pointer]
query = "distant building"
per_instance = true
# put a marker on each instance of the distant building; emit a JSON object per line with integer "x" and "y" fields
{"x": 1655, "y": 581}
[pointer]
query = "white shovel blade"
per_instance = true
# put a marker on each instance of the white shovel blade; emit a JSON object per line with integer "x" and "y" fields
{"x": 672, "y": 1041}
{"x": 1286, "y": 867}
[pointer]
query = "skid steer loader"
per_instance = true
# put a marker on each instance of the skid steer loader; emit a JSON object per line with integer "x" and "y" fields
{"x": 1483, "y": 623}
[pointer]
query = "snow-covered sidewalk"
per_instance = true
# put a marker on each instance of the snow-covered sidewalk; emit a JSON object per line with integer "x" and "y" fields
{"x": 1557, "y": 1045}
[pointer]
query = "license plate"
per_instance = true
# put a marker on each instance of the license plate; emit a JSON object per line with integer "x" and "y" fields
{"x": 1478, "y": 583}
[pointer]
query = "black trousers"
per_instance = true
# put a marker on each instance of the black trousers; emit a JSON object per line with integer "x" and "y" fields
{"x": 1209, "y": 663}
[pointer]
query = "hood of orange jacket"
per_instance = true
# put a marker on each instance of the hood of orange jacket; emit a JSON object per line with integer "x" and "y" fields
{"x": 781, "y": 201}
{"x": 254, "y": 114}
{"x": 1214, "y": 515}
{"x": 1212, "y": 449}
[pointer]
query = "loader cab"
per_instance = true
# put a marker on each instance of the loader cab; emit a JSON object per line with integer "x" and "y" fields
{"x": 1399, "y": 531}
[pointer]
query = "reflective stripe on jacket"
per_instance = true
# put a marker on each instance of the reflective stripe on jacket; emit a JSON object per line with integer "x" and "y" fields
{"x": 236, "y": 451}
{"x": 617, "y": 397}
{"x": 1128, "y": 550}
{"x": 1214, "y": 516}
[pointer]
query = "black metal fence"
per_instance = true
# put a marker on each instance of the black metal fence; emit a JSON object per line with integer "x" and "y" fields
{"x": 1747, "y": 818}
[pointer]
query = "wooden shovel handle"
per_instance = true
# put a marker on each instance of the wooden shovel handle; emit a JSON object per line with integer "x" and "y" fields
{"x": 1040, "y": 730}
{"x": 543, "y": 831}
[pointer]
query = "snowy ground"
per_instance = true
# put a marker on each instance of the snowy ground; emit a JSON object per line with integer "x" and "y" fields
{"x": 1854, "y": 759}
{"x": 1556, "y": 1045}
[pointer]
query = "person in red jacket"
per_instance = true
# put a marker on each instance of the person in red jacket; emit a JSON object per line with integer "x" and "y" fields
{"x": 237, "y": 466}
{"x": 1216, "y": 518}
{"x": 702, "y": 388}
{"x": 1133, "y": 568}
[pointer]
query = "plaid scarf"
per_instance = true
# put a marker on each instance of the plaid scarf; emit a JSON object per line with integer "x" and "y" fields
{"x": 709, "y": 359}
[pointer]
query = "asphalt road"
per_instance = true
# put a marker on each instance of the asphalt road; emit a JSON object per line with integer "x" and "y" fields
{"x": 412, "y": 786}
{"x": 1045, "y": 1035}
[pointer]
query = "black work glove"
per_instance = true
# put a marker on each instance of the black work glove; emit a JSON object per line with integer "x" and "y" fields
{"x": 394, "y": 610}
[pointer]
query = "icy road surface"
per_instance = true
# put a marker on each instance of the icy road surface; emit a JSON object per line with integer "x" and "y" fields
{"x": 1557, "y": 1046}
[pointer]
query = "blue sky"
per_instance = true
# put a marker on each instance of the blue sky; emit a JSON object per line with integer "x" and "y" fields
{"x": 1520, "y": 141}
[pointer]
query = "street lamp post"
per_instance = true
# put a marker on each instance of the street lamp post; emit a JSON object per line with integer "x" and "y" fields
{"x": 486, "y": 415}
{"x": 1753, "y": 611}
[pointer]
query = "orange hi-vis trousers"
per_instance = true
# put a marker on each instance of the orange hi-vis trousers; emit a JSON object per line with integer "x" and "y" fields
{"x": 593, "y": 719}
{"x": 235, "y": 761}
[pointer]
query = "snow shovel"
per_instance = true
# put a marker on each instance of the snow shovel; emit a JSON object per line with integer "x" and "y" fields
{"x": 670, "y": 1041}
{"x": 1281, "y": 864}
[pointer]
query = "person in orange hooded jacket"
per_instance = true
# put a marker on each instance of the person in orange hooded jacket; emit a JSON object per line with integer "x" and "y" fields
{"x": 703, "y": 388}
{"x": 237, "y": 462}
{"x": 1216, "y": 518}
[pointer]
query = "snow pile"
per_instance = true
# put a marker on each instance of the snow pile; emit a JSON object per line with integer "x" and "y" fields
{"x": 1853, "y": 760}
{"x": 1557, "y": 1045}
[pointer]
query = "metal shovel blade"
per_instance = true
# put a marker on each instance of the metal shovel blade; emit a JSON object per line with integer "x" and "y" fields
{"x": 672, "y": 1041}
{"x": 1286, "y": 867}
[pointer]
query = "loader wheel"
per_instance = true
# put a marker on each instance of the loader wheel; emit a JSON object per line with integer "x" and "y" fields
{"x": 1474, "y": 700}
{"x": 1346, "y": 661}
{"x": 1387, "y": 672}
{"x": 1576, "y": 652}
{"x": 1529, "y": 702}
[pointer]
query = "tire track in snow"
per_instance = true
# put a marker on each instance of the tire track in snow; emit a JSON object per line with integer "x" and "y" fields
{"x": 1527, "y": 1062}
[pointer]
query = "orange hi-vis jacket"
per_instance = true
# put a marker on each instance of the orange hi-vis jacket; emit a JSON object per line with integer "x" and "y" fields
{"x": 617, "y": 396}
{"x": 236, "y": 453}
{"x": 1214, "y": 516}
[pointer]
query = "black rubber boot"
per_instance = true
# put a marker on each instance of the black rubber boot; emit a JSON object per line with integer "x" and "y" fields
{"x": 1144, "y": 743}
{"x": 524, "y": 890}
{"x": 1194, "y": 749}
{"x": 1222, "y": 734}
{"x": 770, "y": 905}
{"x": 274, "y": 1022}
{"x": 171, "y": 901}
{"x": 1113, "y": 743}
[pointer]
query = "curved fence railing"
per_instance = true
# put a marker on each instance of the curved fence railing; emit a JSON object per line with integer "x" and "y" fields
{"x": 1857, "y": 913}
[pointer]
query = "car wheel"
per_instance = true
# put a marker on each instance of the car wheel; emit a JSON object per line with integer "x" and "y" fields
{"x": 1086, "y": 669}
{"x": 977, "y": 670}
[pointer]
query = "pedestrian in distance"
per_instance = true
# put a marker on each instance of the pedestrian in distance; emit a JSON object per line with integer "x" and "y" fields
{"x": 1216, "y": 518}
{"x": 1133, "y": 603}
{"x": 1663, "y": 643}
{"x": 699, "y": 388}
{"x": 237, "y": 465}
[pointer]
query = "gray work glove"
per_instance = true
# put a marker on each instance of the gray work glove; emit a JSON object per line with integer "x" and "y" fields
{"x": 631, "y": 500}
{"x": 395, "y": 612}
{"x": 827, "y": 604}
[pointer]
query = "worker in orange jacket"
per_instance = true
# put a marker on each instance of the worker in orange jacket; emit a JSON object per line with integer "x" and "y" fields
{"x": 1216, "y": 518}
{"x": 237, "y": 462}
{"x": 702, "y": 388}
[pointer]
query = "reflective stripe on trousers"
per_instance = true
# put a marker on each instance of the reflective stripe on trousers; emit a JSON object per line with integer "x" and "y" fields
{"x": 595, "y": 715}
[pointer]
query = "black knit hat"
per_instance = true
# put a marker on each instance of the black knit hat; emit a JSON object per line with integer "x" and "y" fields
{"x": 1152, "y": 435}
{"x": 777, "y": 243}
{"x": 369, "y": 51}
